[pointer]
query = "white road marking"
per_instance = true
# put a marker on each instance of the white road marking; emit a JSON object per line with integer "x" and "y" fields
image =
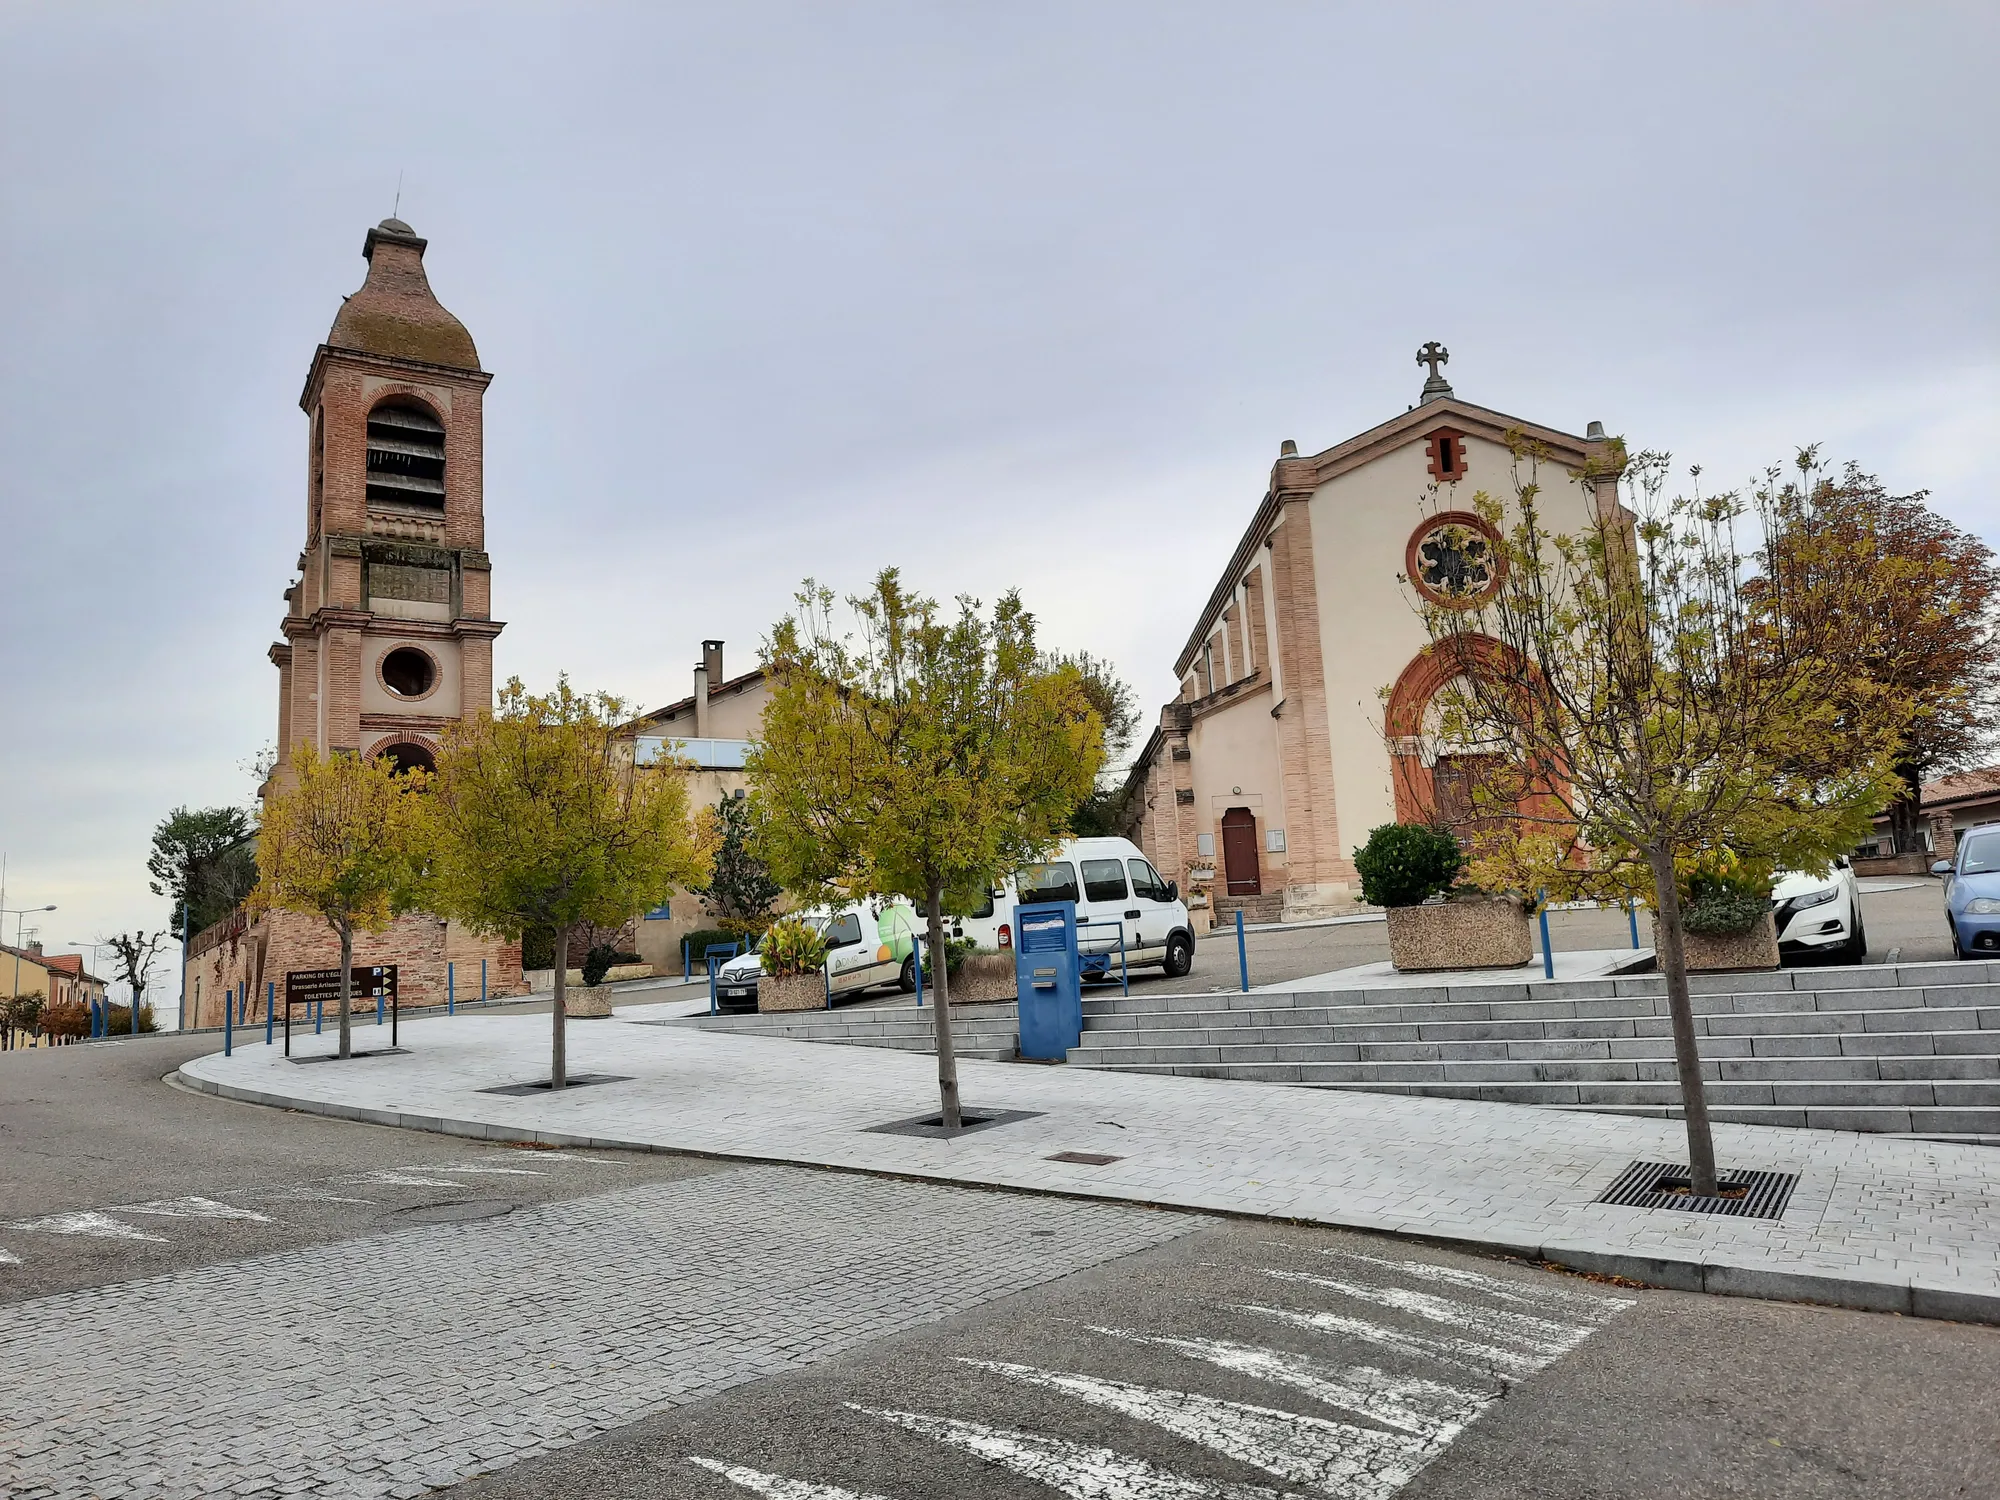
{"x": 776, "y": 1486}
{"x": 1365, "y": 1463}
{"x": 9, "y": 1258}
{"x": 1543, "y": 1334}
{"x": 91, "y": 1223}
{"x": 309, "y": 1195}
{"x": 390, "y": 1178}
{"x": 1428, "y": 1408}
{"x": 1078, "y": 1470}
{"x": 1520, "y": 1293}
{"x": 480, "y": 1171}
{"x": 1467, "y": 1354}
{"x": 192, "y": 1208}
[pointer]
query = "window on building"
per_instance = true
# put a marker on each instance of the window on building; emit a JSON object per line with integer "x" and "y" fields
{"x": 408, "y": 672}
{"x": 405, "y": 457}
{"x": 1103, "y": 880}
{"x": 1447, "y": 455}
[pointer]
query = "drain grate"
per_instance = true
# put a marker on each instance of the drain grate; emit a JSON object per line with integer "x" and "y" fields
{"x": 931, "y": 1126}
{"x": 1086, "y": 1158}
{"x": 357, "y": 1052}
{"x": 1664, "y": 1184}
{"x": 573, "y": 1081}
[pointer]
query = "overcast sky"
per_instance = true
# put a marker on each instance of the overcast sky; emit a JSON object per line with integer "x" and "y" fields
{"x": 1008, "y": 294}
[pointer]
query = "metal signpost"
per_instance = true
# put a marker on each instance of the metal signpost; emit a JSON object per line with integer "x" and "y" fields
{"x": 312, "y": 988}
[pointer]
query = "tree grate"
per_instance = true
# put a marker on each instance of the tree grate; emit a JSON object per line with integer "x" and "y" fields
{"x": 571, "y": 1081}
{"x": 1663, "y": 1184}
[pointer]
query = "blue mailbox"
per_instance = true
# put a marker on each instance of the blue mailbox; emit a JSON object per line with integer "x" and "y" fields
{"x": 1048, "y": 979}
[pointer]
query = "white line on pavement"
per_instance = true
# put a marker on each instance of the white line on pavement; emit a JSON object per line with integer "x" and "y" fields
{"x": 776, "y": 1487}
{"x": 1428, "y": 1408}
{"x": 1365, "y": 1463}
{"x": 1467, "y": 1354}
{"x": 90, "y": 1223}
{"x": 1078, "y": 1470}
{"x": 389, "y": 1178}
{"x": 1541, "y": 1334}
{"x": 192, "y": 1208}
{"x": 1520, "y": 1293}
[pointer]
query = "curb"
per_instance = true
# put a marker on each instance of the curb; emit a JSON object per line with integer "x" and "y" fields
{"x": 1907, "y": 1299}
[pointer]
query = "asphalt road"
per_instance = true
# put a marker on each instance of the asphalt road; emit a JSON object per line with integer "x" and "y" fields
{"x": 1675, "y": 1395}
{"x": 1290, "y": 1365}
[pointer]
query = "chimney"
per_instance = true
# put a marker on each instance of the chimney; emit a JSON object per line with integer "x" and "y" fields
{"x": 701, "y": 698}
{"x": 711, "y": 657}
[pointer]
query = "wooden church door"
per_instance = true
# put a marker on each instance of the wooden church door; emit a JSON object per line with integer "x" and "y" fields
{"x": 1239, "y": 852}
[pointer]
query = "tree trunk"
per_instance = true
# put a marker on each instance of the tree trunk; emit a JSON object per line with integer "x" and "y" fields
{"x": 941, "y": 1010}
{"x": 346, "y": 989}
{"x": 558, "y": 1049}
{"x": 1906, "y": 821}
{"x": 1672, "y": 959}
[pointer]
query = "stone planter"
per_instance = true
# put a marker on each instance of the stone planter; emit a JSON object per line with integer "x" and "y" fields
{"x": 983, "y": 978}
{"x": 1755, "y": 949}
{"x": 582, "y": 1002}
{"x": 1483, "y": 934}
{"x": 791, "y": 992}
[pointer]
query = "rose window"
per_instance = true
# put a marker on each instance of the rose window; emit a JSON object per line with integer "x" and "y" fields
{"x": 1455, "y": 562}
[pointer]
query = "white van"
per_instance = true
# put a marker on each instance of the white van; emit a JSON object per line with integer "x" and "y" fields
{"x": 1115, "y": 889}
{"x": 868, "y": 943}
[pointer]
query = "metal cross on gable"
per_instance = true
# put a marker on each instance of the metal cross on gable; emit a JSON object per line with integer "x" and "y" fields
{"x": 1433, "y": 354}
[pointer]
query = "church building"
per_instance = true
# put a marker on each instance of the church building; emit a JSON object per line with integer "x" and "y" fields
{"x": 388, "y": 633}
{"x": 1303, "y": 718}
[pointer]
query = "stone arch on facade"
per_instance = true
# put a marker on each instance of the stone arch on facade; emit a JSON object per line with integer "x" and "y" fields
{"x": 1412, "y": 773}
{"x": 406, "y": 751}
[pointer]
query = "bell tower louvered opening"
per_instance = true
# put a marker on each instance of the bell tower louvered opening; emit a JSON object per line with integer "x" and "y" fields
{"x": 405, "y": 459}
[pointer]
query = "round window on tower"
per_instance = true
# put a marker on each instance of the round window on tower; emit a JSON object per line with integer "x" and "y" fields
{"x": 408, "y": 672}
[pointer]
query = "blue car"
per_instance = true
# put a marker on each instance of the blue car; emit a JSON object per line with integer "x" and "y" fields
{"x": 1972, "y": 892}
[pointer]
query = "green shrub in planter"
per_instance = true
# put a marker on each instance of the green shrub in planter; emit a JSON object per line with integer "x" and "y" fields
{"x": 1405, "y": 864}
{"x": 1724, "y": 897}
{"x": 602, "y": 959}
{"x": 791, "y": 946}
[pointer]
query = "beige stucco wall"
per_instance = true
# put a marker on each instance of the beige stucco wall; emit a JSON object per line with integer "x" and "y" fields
{"x": 1369, "y": 626}
{"x": 444, "y": 699}
{"x": 1237, "y": 746}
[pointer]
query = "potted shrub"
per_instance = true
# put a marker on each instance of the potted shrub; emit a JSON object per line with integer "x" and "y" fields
{"x": 794, "y": 959}
{"x": 1726, "y": 915}
{"x": 1434, "y": 922}
{"x": 979, "y": 976}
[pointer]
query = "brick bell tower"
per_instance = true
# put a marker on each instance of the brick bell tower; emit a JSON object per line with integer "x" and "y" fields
{"x": 389, "y": 635}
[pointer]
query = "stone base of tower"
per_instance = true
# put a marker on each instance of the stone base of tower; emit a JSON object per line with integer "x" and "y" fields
{"x": 237, "y": 953}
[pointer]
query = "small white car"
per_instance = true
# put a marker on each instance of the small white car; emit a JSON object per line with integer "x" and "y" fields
{"x": 868, "y": 943}
{"x": 1819, "y": 916}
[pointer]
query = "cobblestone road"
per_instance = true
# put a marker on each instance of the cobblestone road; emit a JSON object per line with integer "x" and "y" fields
{"x": 391, "y": 1363}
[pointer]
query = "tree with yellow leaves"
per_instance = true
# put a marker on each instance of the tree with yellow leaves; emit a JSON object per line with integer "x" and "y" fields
{"x": 538, "y": 816}
{"x": 338, "y": 844}
{"x": 923, "y": 755}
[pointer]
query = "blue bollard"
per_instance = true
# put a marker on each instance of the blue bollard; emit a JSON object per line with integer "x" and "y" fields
{"x": 228, "y": 1022}
{"x": 1548, "y": 957}
{"x": 380, "y": 1001}
{"x": 482, "y": 981}
{"x": 1242, "y": 952}
{"x": 270, "y": 1006}
{"x": 319, "y": 1015}
{"x": 1632, "y": 915}
{"x": 917, "y": 953}
{"x": 450, "y": 995}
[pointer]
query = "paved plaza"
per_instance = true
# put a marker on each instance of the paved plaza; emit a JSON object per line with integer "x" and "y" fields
{"x": 1874, "y": 1222}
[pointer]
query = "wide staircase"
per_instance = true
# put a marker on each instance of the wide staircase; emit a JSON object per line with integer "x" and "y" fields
{"x": 987, "y": 1032}
{"x": 1910, "y": 1049}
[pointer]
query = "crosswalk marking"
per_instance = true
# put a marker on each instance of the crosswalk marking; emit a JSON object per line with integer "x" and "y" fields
{"x": 1520, "y": 1293}
{"x": 396, "y": 1178}
{"x": 1468, "y": 1354}
{"x": 776, "y": 1486}
{"x": 1364, "y": 1463}
{"x": 1428, "y": 1408}
{"x": 90, "y": 1223}
{"x": 193, "y": 1208}
{"x": 1079, "y": 1470}
{"x": 1543, "y": 1334}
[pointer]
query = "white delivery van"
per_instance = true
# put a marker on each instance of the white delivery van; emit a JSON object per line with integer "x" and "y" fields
{"x": 1116, "y": 890}
{"x": 868, "y": 943}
